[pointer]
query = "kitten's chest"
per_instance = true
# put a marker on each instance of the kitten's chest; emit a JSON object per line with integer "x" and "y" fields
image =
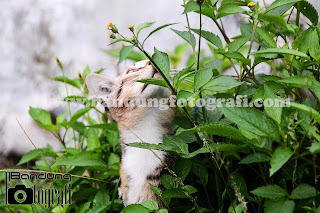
{"x": 140, "y": 163}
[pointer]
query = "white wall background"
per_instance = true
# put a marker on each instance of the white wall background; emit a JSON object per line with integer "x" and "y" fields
{"x": 34, "y": 32}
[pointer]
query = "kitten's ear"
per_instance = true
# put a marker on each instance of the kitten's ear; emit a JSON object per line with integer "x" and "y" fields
{"x": 99, "y": 86}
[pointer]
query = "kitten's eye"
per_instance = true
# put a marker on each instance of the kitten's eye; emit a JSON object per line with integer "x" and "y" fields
{"x": 131, "y": 71}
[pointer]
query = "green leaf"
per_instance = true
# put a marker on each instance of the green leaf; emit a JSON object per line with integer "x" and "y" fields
{"x": 37, "y": 153}
{"x": 213, "y": 113}
{"x": 125, "y": 52}
{"x": 276, "y": 20}
{"x": 135, "y": 208}
{"x": 150, "y": 204}
{"x": 254, "y": 121}
{"x": 212, "y": 38}
{"x": 229, "y": 10}
{"x": 308, "y": 110}
{"x": 201, "y": 171}
{"x": 143, "y": 26}
{"x": 184, "y": 95}
{"x": 300, "y": 40}
{"x": 280, "y": 156}
{"x": 157, "y": 29}
{"x": 207, "y": 11}
{"x": 50, "y": 127}
{"x": 270, "y": 191}
{"x": 135, "y": 56}
{"x": 220, "y": 129}
{"x": 171, "y": 144}
{"x": 60, "y": 118}
{"x": 78, "y": 114}
{"x": 156, "y": 190}
{"x": 169, "y": 182}
{"x": 182, "y": 167}
{"x": 303, "y": 191}
{"x": 101, "y": 201}
{"x": 195, "y": 153}
{"x": 279, "y": 3}
{"x": 233, "y": 2}
{"x": 279, "y": 206}
{"x": 113, "y": 159}
{"x": 186, "y": 36}
{"x": 40, "y": 115}
{"x": 316, "y": 89}
{"x": 191, "y": 6}
{"x": 298, "y": 81}
{"x": 183, "y": 73}
{"x": 73, "y": 82}
{"x": 235, "y": 55}
{"x": 178, "y": 145}
{"x": 190, "y": 189}
{"x": 202, "y": 77}
{"x": 314, "y": 47}
{"x": 86, "y": 71}
{"x": 155, "y": 81}
{"x": 83, "y": 159}
{"x": 266, "y": 36}
{"x": 106, "y": 126}
{"x": 273, "y": 111}
{"x": 237, "y": 44}
{"x": 255, "y": 158}
{"x": 309, "y": 11}
{"x": 247, "y": 30}
{"x": 174, "y": 193}
{"x": 162, "y": 60}
{"x": 92, "y": 138}
{"x": 280, "y": 51}
{"x": 315, "y": 148}
{"x": 180, "y": 50}
{"x": 83, "y": 208}
{"x": 222, "y": 83}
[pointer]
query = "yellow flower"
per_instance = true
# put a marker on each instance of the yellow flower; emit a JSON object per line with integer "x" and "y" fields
{"x": 251, "y": 4}
{"x": 131, "y": 28}
{"x": 110, "y": 25}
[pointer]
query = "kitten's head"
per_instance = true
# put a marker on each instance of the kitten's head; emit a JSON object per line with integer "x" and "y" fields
{"x": 123, "y": 88}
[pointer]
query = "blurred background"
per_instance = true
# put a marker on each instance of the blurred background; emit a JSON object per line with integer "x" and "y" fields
{"x": 34, "y": 32}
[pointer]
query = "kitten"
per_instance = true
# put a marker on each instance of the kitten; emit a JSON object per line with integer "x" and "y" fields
{"x": 139, "y": 167}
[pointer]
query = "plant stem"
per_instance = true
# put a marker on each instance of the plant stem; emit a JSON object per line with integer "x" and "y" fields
{"x": 114, "y": 195}
{"x": 199, "y": 46}
{"x": 70, "y": 114}
{"x": 298, "y": 14}
{"x": 226, "y": 38}
{"x": 204, "y": 113}
{"x": 189, "y": 29}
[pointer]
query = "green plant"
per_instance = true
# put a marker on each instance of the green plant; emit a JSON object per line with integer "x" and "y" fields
{"x": 230, "y": 159}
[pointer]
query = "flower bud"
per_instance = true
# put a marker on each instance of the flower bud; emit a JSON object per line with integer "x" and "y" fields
{"x": 112, "y": 36}
{"x": 251, "y": 4}
{"x": 131, "y": 28}
{"x": 200, "y": 2}
{"x": 112, "y": 27}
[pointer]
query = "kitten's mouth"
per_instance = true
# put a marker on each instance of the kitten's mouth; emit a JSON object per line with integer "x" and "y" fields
{"x": 156, "y": 74}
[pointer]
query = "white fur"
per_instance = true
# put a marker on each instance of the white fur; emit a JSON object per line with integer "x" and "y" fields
{"x": 139, "y": 163}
